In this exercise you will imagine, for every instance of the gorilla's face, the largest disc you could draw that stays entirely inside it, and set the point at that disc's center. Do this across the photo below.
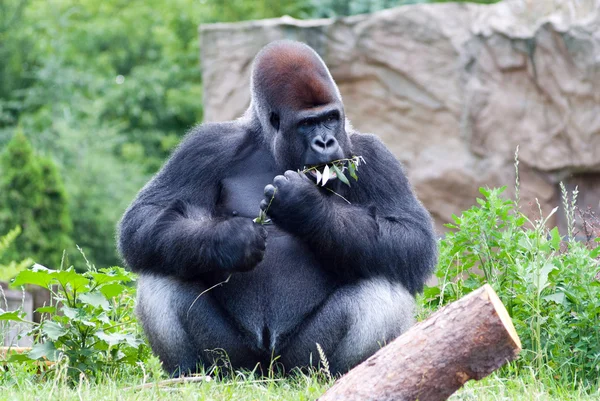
(299, 106)
(309, 137)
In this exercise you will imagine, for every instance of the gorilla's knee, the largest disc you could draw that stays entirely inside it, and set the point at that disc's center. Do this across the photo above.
(158, 299)
(378, 311)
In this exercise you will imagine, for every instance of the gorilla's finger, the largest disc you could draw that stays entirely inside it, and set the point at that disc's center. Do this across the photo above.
(279, 180)
(291, 174)
(263, 232)
(263, 204)
(304, 177)
(269, 190)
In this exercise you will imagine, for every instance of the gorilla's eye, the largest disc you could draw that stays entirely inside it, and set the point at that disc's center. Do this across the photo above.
(274, 120)
(332, 118)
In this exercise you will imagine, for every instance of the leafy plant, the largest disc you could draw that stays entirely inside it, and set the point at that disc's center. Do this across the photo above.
(90, 322)
(548, 283)
(33, 197)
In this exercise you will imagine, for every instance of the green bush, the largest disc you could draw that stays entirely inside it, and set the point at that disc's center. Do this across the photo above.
(548, 283)
(33, 197)
(90, 328)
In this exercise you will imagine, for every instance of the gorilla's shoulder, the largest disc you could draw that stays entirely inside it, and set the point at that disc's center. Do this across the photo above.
(223, 135)
(372, 148)
(219, 140)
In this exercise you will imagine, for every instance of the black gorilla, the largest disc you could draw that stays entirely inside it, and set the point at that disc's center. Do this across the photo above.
(328, 272)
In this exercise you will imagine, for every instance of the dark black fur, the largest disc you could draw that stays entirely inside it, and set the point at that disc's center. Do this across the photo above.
(306, 278)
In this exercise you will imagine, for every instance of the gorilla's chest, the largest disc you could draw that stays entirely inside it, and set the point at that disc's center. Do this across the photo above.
(242, 189)
(240, 195)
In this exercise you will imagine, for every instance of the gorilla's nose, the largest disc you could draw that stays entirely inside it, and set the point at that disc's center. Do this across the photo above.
(324, 145)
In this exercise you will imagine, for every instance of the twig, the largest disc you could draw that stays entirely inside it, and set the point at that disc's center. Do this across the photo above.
(187, 315)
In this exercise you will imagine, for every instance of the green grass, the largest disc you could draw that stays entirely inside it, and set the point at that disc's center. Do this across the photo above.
(300, 387)
(26, 386)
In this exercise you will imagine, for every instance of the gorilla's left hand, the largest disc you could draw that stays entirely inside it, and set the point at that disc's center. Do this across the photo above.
(292, 200)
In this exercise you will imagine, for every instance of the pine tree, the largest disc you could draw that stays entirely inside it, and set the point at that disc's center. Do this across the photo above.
(32, 196)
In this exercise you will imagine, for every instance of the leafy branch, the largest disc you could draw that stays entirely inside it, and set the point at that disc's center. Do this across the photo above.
(333, 169)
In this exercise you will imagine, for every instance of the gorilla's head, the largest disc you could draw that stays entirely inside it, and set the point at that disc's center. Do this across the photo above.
(298, 105)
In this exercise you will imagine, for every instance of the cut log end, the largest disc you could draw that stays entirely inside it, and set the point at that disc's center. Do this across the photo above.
(503, 315)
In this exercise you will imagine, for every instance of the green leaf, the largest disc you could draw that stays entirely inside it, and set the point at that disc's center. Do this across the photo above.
(96, 299)
(53, 330)
(71, 278)
(595, 252)
(46, 309)
(44, 350)
(558, 297)
(81, 316)
(340, 175)
(431, 293)
(112, 290)
(118, 338)
(112, 274)
(71, 313)
(15, 357)
(542, 277)
(352, 170)
(13, 316)
(110, 338)
(37, 275)
(555, 238)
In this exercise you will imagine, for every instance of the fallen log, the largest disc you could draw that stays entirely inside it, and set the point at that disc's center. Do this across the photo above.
(468, 339)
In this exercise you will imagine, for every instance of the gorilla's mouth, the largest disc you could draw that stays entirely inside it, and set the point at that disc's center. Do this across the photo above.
(318, 173)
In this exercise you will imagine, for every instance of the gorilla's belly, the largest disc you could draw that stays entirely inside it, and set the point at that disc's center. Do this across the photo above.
(272, 300)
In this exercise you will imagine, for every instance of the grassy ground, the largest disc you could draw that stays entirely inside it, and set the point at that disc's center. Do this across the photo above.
(298, 388)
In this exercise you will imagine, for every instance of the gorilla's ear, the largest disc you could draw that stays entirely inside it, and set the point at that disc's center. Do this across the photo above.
(274, 120)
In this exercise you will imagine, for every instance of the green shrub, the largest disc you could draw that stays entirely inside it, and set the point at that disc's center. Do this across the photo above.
(90, 327)
(548, 283)
(32, 196)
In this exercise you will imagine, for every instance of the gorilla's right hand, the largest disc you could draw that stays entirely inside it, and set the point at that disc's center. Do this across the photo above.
(242, 245)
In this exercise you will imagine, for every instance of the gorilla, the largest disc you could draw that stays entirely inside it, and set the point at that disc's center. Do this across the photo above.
(338, 271)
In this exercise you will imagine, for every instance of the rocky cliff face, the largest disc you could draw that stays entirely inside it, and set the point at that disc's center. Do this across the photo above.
(452, 89)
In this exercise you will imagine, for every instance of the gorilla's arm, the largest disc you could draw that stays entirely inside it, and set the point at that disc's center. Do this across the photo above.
(171, 228)
(384, 231)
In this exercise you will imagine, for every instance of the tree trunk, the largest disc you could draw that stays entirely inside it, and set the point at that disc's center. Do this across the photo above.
(468, 339)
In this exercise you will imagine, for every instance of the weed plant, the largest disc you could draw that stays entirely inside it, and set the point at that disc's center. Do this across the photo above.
(549, 283)
(88, 329)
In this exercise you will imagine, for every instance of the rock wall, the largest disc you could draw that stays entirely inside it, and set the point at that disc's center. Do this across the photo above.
(452, 89)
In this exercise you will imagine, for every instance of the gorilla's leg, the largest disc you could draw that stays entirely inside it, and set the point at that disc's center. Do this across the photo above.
(185, 330)
(352, 324)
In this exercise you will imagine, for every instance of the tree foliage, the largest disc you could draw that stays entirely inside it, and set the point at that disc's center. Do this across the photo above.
(33, 198)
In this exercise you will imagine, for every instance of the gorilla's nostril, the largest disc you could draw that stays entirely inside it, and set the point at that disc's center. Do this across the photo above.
(324, 145)
(319, 143)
